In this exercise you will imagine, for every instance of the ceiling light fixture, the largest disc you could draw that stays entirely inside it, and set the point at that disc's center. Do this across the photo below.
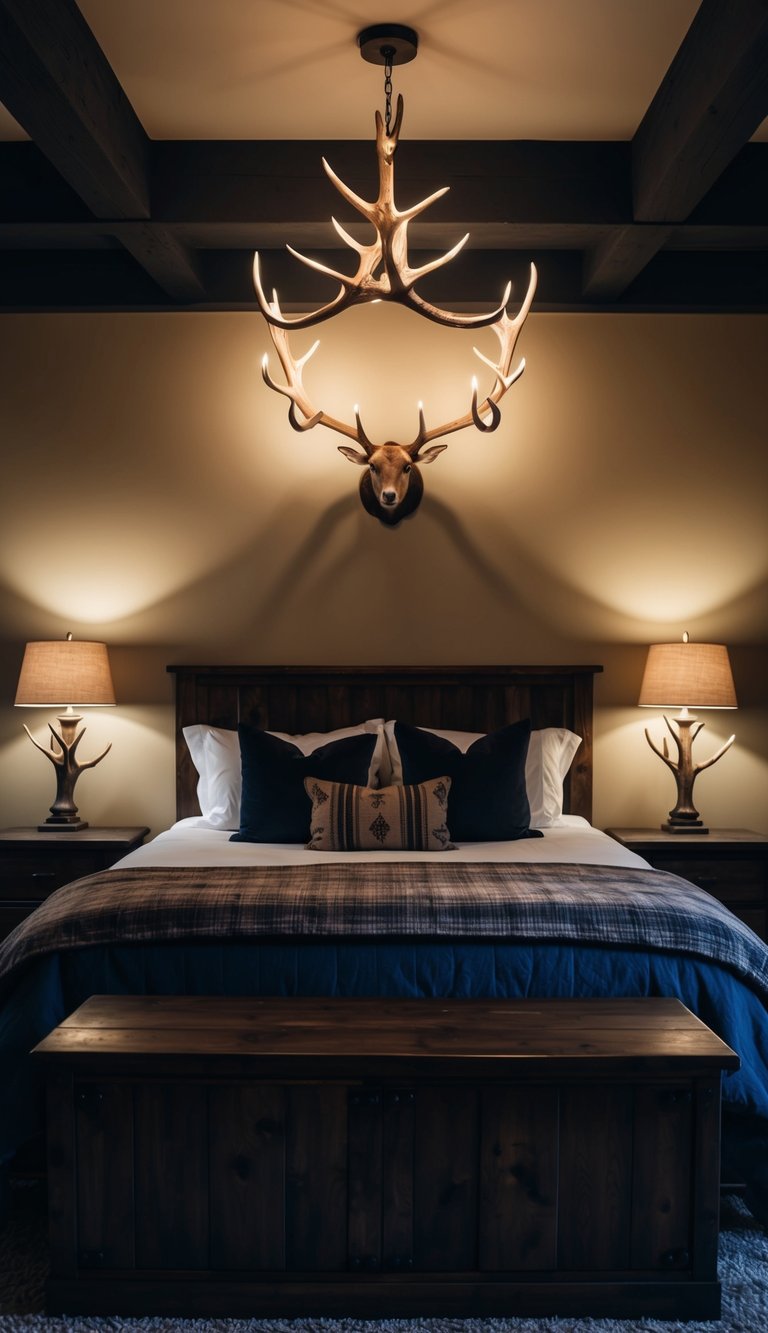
(391, 486)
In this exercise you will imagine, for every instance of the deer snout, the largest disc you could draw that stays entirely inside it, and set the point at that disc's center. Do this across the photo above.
(390, 468)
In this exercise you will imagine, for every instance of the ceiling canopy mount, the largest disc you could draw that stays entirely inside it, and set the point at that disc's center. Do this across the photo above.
(388, 44)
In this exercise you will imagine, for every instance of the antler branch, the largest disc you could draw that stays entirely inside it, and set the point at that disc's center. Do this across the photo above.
(709, 762)
(507, 331)
(390, 251)
(295, 391)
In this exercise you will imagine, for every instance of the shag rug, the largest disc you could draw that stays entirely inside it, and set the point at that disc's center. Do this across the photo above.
(743, 1264)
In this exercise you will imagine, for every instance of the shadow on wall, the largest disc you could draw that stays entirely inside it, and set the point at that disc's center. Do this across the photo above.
(335, 585)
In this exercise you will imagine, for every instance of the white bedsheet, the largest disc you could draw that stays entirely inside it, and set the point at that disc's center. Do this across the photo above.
(572, 839)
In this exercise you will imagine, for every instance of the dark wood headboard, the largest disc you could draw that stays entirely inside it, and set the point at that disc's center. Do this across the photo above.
(468, 698)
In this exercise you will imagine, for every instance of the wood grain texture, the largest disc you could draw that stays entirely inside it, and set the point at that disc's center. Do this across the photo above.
(518, 1179)
(171, 1176)
(423, 1037)
(105, 1168)
(316, 1177)
(246, 1126)
(595, 1177)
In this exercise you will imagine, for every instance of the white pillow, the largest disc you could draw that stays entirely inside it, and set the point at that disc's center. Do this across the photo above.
(550, 754)
(215, 753)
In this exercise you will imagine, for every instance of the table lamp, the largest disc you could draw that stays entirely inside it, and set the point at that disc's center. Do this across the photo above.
(65, 673)
(686, 675)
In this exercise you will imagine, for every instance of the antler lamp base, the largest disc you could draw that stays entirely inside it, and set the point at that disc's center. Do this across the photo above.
(64, 814)
(685, 818)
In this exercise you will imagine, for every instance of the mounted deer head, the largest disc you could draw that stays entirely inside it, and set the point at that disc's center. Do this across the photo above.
(391, 486)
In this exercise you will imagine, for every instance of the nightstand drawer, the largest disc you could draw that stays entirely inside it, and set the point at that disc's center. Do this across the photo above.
(11, 913)
(33, 863)
(729, 880)
(21, 877)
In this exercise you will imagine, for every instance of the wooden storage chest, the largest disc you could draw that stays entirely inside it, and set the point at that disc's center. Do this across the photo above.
(384, 1157)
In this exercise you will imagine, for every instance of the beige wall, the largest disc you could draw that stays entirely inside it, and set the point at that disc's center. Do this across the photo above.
(154, 496)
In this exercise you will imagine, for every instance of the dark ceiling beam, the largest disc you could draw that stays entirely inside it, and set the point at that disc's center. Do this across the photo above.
(487, 180)
(516, 239)
(59, 86)
(213, 191)
(99, 216)
(611, 265)
(56, 82)
(171, 264)
(673, 282)
(710, 102)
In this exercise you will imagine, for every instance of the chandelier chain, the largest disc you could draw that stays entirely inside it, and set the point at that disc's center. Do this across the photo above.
(388, 53)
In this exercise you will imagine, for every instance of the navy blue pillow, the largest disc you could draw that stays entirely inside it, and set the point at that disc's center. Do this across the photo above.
(274, 805)
(488, 801)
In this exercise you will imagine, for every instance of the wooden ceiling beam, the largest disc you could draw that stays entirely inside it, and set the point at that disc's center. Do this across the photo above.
(210, 190)
(59, 86)
(172, 265)
(94, 201)
(692, 283)
(57, 83)
(611, 265)
(710, 102)
(487, 180)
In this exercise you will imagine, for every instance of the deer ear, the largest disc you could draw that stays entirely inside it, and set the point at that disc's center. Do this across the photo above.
(429, 455)
(353, 455)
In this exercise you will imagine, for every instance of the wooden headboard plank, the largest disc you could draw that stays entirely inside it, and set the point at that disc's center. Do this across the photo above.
(305, 698)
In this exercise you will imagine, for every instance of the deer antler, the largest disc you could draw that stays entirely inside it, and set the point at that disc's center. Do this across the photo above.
(507, 331)
(390, 250)
(296, 392)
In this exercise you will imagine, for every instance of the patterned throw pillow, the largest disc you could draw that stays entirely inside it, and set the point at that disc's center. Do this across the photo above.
(346, 818)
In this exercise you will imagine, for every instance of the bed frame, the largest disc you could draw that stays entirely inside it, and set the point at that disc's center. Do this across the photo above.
(306, 698)
(534, 1166)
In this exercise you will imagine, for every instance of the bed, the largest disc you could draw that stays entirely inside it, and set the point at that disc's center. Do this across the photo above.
(566, 913)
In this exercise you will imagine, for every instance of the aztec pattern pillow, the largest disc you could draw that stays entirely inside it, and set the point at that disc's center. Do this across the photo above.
(347, 818)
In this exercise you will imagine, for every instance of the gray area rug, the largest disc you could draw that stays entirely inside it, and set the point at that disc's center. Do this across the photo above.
(743, 1266)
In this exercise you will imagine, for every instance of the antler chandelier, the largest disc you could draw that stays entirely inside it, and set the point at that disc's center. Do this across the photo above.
(391, 486)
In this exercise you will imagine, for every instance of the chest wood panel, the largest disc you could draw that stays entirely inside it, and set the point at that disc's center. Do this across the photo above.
(371, 1156)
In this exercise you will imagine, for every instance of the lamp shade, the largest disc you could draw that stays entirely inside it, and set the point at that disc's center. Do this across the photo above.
(65, 672)
(687, 675)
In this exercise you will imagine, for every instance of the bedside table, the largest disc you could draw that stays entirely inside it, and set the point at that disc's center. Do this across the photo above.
(33, 864)
(731, 864)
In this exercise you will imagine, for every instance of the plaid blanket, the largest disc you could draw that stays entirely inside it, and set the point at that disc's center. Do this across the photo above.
(582, 904)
